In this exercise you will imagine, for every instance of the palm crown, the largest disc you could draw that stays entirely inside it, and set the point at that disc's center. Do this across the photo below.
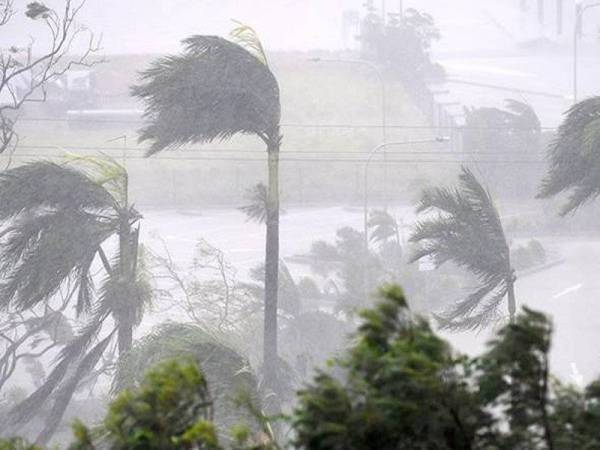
(467, 230)
(574, 157)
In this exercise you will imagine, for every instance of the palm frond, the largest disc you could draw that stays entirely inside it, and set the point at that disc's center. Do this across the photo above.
(227, 371)
(246, 37)
(45, 184)
(383, 226)
(64, 393)
(256, 209)
(464, 227)
(105, 171)
(574, 157)
(40, 251)
(212, 91)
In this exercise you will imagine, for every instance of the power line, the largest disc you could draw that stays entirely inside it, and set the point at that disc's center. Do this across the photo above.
(308, 160)
(74, 148)
(302, 125)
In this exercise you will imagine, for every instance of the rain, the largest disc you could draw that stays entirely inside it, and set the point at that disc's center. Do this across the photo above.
(299, 224)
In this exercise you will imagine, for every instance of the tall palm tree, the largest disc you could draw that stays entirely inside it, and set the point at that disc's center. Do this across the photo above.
(212, 91)
(574, 157)
(467, 231)
(57, 218)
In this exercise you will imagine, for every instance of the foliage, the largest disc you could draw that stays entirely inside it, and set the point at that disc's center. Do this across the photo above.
(212, 91)
(383, 227)
(402, 44)
(512, 133)
(517, 367)
(467, 231)
(401, 389)
(226, 371)
(256, 209)
(574, 158)
(215, 90)
(16, 444)
(56, 219)
(171, 409)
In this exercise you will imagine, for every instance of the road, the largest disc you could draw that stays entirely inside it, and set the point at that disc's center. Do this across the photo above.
(568, 292)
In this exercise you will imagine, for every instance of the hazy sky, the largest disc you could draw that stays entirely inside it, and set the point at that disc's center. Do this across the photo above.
(157, 26)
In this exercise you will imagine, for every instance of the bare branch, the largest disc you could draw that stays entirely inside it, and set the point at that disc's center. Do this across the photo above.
(23, 77)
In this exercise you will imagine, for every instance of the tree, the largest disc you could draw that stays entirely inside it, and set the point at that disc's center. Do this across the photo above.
(512, 134)
(401, 387)
(225, 370)
(57, 218)
(171, 409)
(401, 43)
(574, 157)
(467, 231)
(212, 91)
(26, 70)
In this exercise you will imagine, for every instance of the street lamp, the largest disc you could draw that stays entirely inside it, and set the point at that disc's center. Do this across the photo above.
(377, 72)
(580, 9)
(372, 153)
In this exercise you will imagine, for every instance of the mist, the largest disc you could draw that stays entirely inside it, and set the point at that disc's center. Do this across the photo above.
(299, 224)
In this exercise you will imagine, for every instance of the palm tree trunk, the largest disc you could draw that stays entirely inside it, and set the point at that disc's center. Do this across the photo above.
(128, 256)
(271, 267)
(512, 304)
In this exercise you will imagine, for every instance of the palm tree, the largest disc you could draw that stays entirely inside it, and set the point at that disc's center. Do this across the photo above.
(467, 231)
(212, 91)
(227, 372)
(384, 227)
(574, 157)
(57, 220)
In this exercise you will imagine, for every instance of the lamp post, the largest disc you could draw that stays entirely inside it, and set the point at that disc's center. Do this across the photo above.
(580, 9)
(372, 153)
(375, 69)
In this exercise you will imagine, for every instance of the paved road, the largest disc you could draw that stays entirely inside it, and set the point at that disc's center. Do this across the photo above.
(569, 292)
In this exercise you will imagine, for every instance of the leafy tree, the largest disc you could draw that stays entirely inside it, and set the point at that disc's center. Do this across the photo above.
(213, 91)
(401, 43)
(171, 409)
(401, 388)
(467, 231)
(226, 371)
(574, 157)
(57, 218)
(517, 367)
(512, 134)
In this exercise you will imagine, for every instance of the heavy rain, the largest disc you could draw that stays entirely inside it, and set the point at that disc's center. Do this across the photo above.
(299, 224)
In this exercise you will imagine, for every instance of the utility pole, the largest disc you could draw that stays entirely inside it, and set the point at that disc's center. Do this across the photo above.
(401, 9)
(559, 16)
(541, 12)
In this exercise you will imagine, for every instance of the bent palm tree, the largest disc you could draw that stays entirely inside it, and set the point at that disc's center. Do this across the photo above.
(214, 90)
(575, 157)
(467, 230)
(227, 372)
(57, 219)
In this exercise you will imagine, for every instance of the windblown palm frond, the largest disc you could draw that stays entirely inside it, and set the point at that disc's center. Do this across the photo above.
(42, 250)
(256, 209)
(245, 36)
(226, 370)
(467, 230)
(383, 227)
(105, 171)
(45, 184)
(212, 91)
(574, 157)
(50, 239)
